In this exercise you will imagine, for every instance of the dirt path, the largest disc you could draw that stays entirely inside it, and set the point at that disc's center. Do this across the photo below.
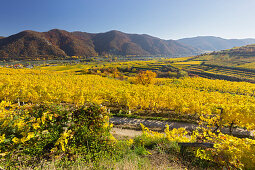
(133, 125)
(125, 133)
(151, 123)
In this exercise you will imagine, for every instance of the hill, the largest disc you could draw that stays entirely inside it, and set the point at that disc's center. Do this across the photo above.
(236, 64)
(237, 57)
(59, 43)
(72, 45)
(210, 43)
(28, 45)
(134, 44)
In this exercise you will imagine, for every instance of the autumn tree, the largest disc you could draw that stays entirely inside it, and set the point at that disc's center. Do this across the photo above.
(145, 77)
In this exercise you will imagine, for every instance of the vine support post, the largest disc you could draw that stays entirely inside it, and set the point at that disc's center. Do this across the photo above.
(220, 121)
(221, 113)
(231, 128)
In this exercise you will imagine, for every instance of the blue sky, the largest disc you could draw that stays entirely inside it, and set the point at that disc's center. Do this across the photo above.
(167, 19)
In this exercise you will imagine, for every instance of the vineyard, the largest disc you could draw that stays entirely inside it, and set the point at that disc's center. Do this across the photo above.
(59, 108)
(127, 85)
(221, 72)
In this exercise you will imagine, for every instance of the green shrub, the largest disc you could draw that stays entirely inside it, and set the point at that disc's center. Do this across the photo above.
(31, 133)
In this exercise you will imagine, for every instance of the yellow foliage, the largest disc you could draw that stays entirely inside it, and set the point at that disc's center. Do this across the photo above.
(177, 135)
(2, 138)
(63, 140)
(145, 77)
(15, 140)
(194, 96)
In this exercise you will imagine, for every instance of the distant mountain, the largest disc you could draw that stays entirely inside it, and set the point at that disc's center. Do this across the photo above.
(1, 37)
(115, 42)
(210, 43)
(121, 43)
(28, 45)
(59, 43)
(248, 41)
(71, 44)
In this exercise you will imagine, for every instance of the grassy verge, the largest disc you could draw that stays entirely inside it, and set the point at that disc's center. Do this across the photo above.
(140, 153)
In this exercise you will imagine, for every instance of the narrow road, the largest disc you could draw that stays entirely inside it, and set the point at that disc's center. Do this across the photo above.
(133, 123)
(151, 123)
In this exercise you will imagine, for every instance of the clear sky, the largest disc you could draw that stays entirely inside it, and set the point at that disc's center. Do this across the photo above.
(167, 19)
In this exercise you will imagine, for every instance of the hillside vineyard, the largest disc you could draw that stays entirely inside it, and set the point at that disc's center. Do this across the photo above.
(199, 98)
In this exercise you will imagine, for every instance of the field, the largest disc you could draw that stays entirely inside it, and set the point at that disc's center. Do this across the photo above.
(60, 113)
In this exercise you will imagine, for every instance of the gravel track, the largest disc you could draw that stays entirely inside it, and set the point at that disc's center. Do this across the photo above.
(133, 123)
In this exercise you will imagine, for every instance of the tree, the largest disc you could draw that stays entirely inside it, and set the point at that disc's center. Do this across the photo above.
(145, 77)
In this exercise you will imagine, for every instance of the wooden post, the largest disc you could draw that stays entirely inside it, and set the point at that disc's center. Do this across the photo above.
(231, 128)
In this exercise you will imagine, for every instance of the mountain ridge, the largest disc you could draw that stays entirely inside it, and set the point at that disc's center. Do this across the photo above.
(58, 43)
(54, 43)
(212, 43)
